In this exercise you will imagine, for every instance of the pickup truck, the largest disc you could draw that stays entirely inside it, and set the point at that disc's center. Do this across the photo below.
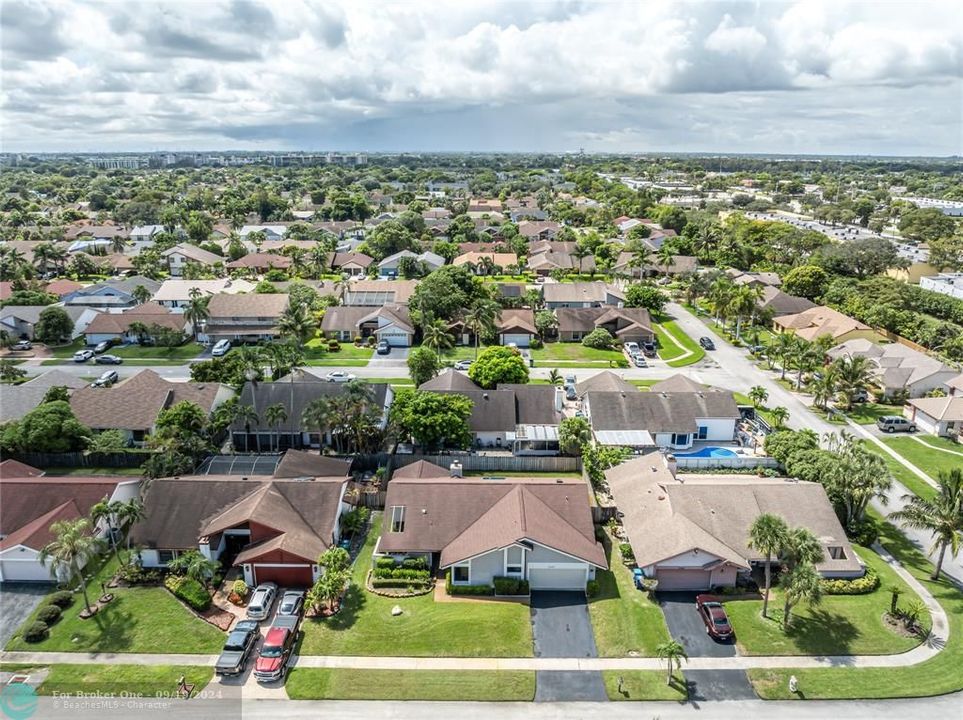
(287, 622)
(240, 643)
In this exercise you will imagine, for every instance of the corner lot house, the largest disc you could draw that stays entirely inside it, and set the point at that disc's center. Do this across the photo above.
(480, 529)
(274, 530)
(898, 367)
(247, 318)
(941, 416)
(31, 502)
(693, 534)
(821, 320)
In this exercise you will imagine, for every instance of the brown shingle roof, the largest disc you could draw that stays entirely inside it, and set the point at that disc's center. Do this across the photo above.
(223, 306)
(515, 320)
(420, 469)
(301, 463)
(448, 380)
(148, 313)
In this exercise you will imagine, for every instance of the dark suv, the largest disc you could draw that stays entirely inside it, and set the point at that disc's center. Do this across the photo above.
(706, 343)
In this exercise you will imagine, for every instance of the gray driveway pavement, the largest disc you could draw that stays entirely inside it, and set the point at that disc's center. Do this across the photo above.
(687, 627)
(561, 627)
(17, 601)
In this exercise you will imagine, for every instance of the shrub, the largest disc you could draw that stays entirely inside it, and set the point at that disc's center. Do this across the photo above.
(599, 533)
(239, 588)
(49, 614)
(510, 586)
(392, 583)
(372, 340)
(592, 588)
(385, 562)
(334, 346)
(357, 339)
(858, 586)
(600, 339)
(465, 589)
(400, 573)
(626, 550)
(417, 563)
(864, 532)
(35, 632)
(62, 599)
(135, 575)
(189, 590)
(535, 343)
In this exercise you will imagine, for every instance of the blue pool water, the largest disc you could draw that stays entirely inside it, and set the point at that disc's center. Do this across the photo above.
(709, 452)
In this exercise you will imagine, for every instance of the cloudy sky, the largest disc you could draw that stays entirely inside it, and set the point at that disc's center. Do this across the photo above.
(810, 77)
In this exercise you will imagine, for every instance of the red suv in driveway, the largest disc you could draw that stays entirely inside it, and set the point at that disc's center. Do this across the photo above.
(272, 662)
(714, 616)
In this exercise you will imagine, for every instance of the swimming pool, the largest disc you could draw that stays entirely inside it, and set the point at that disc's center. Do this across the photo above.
(709, 452)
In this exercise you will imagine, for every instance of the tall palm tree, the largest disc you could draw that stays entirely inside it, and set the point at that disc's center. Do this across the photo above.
(274, 416)
(129, 514)
(72, 547)
(247, 415)
(801, 583)
(853, 375)
(480, 319)
(297, 322)
(768, 534)
(106, 512)
(673, 653)
(808, 357)
(743, 304)
(580, 252)
(318, 258)
(435, 336)
(942, 516)
(758, 395)
(665, 256)
(118, 244)
(141, 294)
(196, 311)
(706, 240)
(801, 546)
(824, 388)
(720, 297)
(318, 415)
(196, 566)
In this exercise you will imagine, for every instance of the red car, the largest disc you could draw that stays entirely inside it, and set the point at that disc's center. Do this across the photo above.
(272, 662)
(714, 616)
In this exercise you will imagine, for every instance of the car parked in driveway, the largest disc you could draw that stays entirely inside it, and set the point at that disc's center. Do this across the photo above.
(272, 662)
(706, 343)
(107, 378)
(384, 348)
(895, 423)
(82, 356)
(240, 641)
(262, 600)
(221, 347)
(109, 359)
(714, 617)
(632, 348)
(292, 603)
(463, 364)
(102, 347)
(339, 376)
(648, 348)
(639, 361)
(22, 345)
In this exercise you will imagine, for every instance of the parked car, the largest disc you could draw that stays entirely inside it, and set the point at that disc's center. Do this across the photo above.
(895, 423)
(632, 348)
(22, 345)
(221, 347)
(463, 364)
(272, 661)
(648, 348)
(571, 393)
(292, 603)
(384, 348)
(714, 617)
(639, 361)
(236, 650)
(109, 359)
(82, 356)
(570, 379)
(706, 343)
(262, 600)
(339, 376)
(107, 378)
(102, 347)
(861, 396)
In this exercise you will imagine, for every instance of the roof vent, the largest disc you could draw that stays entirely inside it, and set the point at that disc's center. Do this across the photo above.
(664, 396)
(485, 395)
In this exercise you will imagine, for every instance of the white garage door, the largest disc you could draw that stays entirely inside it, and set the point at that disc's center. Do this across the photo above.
(683, 580)
(24, 571)
(394, 338)
(567, 578)
(521, 340)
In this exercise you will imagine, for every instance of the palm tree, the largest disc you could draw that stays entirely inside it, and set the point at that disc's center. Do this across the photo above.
(318, 415)
(720, 297)
(665, 256)
(743, 304)
(824, 388)
(480, 319)
(247, 415)
(853, 374)
(942, 515)
(106, 512)
(554, 377)
(801, 583)
(435, 336)
(140, 294)
(196, 566)
(74, 545)
(768, 534)
(581, 252)
(118, 244)
(196, 311)
(129, 514)
(783, 347)
(318, 258)
(274, 416)
(800, 547)
(673, 653)
(808, 357)
(758, 395)
(297, 322)
(706, 240)
(779, 417)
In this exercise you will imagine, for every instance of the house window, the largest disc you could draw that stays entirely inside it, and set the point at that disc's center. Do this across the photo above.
(165, 556)
(837, 553)
(513, 561)
(703, 432)
(398, 518)
(680, 438)
(461, 574)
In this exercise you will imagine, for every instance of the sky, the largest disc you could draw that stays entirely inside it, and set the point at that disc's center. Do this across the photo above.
(879, 78)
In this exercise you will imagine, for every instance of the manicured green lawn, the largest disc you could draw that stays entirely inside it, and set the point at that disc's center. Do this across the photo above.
(139, 680)
(425, 628)
(926, 455)
(139, 619)
(840, 625)
(65, 351)
(936, 676)
(624, 619)
(187, 351)
(670, 327)
(465, 685)
(868, 413)
(575, 353)
(644, 685)
(317, 355)
(461, 352)
(905, 476)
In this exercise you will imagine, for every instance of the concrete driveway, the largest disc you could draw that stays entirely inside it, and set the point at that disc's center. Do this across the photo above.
(561, 627)
(17, 601)
(687, 627)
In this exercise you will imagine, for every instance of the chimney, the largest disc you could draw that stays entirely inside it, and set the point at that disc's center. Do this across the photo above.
(456, 469)
(672, 464)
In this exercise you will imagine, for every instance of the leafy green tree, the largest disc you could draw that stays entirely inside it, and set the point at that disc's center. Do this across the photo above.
(758, 395)
(597, 459)
(599, 339)
(497, 365)
(546, 323)
(195, 565)
(643, 295)
(73, 546)
(55, 393)
(768, 534)
(107, 441)
(48, 428)
(941, 515)
(388, 238)
(808, 281)
(54, 327)
(854, 375)
(925, 224)
(141, 294)
(445, 294)
(423, 365)
(433, 420)
(574, 433)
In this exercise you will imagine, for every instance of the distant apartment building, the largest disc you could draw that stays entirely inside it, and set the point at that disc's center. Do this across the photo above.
(945, 283)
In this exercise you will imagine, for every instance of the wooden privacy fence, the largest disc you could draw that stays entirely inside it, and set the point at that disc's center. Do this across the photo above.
(79, 459)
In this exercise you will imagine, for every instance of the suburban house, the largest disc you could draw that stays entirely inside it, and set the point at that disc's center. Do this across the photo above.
(388, 322)
(486, 263)
(777, 303)
(260, 262)
(294, 395)
(379, 292)
(899, 368)
(544, 263)
(30, 502)
(111, 294)
(955, 386)
(480, 529)
(516, 327)
(247, 318)
(133, 404)
(350, 263)
(822, 320)
(21, 320)
(941, 416)
(18, 400)
(666, 420)
(389, 267)
(177, 293)
(533, 230)
(271, 232)
(61, 287)
(179, 255)
(272, 529)
(624, 324)
(693, 534)
(117, 326)
(581, 295)
(754, 279)
(605, 381)
(144, 234)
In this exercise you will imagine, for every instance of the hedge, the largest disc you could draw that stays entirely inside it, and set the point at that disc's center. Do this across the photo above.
(62, 599)
(465, 589)
(395, 583)
(49, 614)
(35, 632)
(510, 586)
(400, 573)
(858, 586)
(189, 590)
(135, 575)
(626, 550)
